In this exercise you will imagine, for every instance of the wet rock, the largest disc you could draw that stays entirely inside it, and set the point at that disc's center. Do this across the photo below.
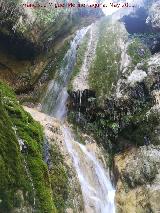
(138, 176)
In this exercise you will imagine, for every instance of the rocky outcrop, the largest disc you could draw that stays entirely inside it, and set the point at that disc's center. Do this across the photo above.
(138, 172)
(38, 22)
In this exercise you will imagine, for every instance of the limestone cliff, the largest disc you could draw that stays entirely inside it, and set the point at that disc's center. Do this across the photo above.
(120, 106)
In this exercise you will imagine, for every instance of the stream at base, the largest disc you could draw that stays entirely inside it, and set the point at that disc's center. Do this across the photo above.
(97, 190)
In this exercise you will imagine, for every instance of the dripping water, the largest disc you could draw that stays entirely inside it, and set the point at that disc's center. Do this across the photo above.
(23, 149)
(46, 152)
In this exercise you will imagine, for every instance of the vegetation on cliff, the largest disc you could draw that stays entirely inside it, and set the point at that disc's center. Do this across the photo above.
(119, 122)
(59, 179)
(105, 69)
(138, 51)
(31, 133)
(22, 164)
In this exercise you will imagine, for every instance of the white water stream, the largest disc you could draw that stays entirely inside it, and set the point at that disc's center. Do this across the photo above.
(56, 89)
(97, 190)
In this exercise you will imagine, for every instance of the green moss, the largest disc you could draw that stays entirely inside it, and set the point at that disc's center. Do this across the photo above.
(11, 164)
(78, 134)
(138, 51)
(104, 71)
(56, 61)
(59, 179)
(12, 161)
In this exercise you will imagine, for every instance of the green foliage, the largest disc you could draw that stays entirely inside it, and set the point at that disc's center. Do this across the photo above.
(138, 51)
(47, 16)
(10, 11)
(127, 123)
(140, 125)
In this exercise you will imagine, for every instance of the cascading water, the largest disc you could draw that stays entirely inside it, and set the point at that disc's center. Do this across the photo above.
(97, 190)
(80, 82)
(56, 89)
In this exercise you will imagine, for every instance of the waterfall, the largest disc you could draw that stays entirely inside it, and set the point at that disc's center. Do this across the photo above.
(56, 89)
(97, 190)
(80, 82)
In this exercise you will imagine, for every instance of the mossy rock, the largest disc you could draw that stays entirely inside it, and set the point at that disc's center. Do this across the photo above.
(138, 52)
(21, 169)
(105, 70)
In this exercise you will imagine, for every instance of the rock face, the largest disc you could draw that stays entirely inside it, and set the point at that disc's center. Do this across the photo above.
(118, 103)
(29, 37)
(38, 22)
(138, 173)
(54, 136)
